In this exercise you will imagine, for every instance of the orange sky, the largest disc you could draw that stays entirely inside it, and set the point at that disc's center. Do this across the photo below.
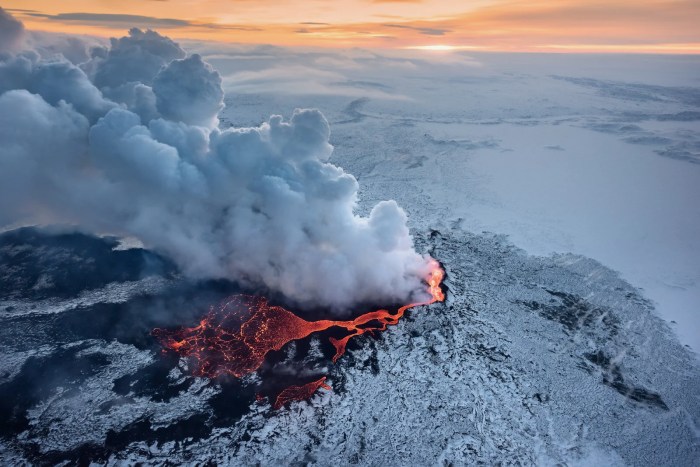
(659, 26)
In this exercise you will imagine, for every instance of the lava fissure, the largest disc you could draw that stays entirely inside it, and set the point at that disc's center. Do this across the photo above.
(300, 393)
(235, 337)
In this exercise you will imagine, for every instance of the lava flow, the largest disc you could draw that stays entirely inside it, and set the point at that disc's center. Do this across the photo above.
(235, 337)
(300, 393)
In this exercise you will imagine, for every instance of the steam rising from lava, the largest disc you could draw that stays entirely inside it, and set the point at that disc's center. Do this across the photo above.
(128, 143)
(235, 337)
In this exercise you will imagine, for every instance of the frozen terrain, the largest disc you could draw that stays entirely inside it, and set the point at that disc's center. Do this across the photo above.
(560, 194)
(530, 360)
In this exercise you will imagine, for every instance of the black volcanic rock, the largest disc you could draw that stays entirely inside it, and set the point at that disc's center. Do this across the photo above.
(37, 264)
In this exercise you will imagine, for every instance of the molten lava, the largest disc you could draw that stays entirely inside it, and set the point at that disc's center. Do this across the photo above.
(300, 393)
(235, 337)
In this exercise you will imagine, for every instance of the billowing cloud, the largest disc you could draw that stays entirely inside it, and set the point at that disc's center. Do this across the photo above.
(11, 31)
(76, 50)
(55, 80)
(189, 90)
(261, 205)
(136, 58)
(41, 145)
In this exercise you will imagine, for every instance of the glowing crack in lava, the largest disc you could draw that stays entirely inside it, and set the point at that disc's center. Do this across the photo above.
(235, 337)
(300, 393)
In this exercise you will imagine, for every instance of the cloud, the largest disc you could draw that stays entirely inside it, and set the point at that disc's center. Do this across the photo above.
(14, 37)
(11, 31)
(259, 205)
(40, 143)
(189, 90)
(302, 80)
(20, 10)
(55, 81)
(126, 20)
(423, 30)
(76, 50)
(137, 57)
(125, 71)
(114, 19)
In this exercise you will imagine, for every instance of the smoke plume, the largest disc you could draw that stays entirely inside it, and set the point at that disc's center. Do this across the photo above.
(128, 143)
(11, 32)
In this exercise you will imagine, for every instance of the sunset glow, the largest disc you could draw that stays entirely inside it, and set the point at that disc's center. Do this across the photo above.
(656, 26)
(442, 47)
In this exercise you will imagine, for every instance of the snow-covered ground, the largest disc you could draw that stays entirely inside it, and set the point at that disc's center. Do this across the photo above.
(509, 370)
(591, 154)
(531, 360)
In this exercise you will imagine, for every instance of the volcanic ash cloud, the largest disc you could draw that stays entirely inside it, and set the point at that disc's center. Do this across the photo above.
(128, 143)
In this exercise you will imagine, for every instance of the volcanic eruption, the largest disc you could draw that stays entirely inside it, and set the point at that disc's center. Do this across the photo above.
(128, 143)
(235, 337)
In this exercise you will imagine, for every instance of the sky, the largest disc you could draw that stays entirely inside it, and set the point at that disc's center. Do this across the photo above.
(649, 26)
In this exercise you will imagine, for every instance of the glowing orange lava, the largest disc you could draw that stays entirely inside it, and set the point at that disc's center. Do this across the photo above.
(235, 337)
(300, 393)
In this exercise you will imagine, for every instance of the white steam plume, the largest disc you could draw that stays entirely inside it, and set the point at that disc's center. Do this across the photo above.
(128, 143)
(11, 32)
